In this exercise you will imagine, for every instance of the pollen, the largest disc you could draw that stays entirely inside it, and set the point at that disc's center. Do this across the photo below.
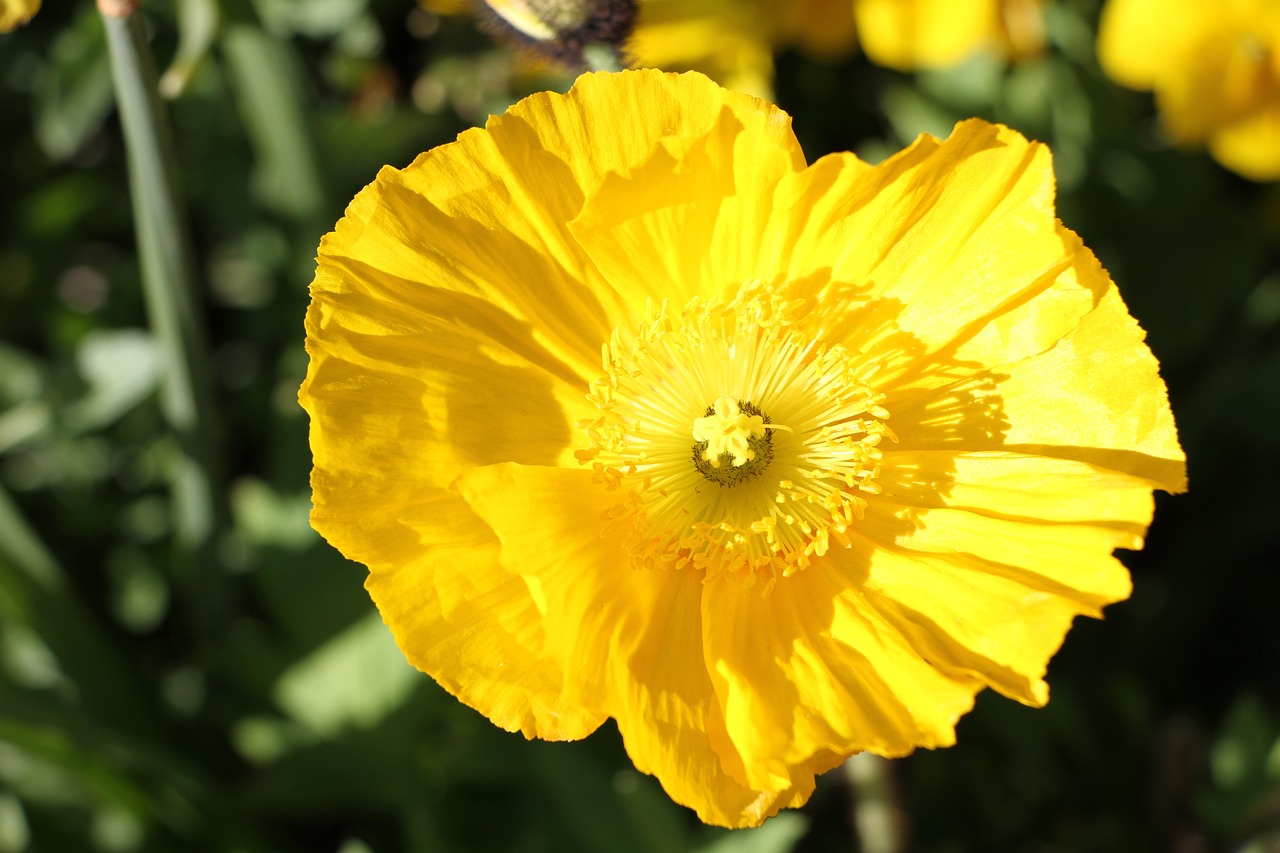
(781, 456)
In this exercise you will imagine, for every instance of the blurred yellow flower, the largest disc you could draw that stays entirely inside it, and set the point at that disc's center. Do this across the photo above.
(733, 41)
(15, 13)
(910, 34)
(1215, 70)
(632, 414)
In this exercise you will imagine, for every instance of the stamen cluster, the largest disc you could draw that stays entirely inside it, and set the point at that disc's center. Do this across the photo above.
(710, 371)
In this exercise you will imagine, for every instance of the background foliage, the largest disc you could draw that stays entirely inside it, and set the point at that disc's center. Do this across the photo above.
(257, 704)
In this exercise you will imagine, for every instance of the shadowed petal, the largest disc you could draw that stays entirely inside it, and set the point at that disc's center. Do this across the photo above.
(627, 639)
(475, 627)
(810, 668)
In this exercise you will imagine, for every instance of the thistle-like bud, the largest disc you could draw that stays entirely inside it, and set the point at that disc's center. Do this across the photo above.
(564, 30)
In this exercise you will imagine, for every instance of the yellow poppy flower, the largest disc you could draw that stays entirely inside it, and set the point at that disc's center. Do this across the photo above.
(910, 34)
(632, 414)
(1215, 70)
(732, 41)
(15, 13)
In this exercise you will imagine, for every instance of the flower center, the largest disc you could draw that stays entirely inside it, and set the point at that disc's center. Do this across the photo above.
(734, 442)
(760, 498)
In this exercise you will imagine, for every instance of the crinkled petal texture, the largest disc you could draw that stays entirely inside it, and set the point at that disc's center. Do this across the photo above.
(457, 321)
(1214, 68)
(15, 13)
(910, 34)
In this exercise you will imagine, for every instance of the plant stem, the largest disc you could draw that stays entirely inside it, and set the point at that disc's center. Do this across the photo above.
(22, 549)
(875, 817)
(173, 308)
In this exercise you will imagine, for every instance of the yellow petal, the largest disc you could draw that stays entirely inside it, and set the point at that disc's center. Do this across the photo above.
(1073, 561)
(1021, 28)
(728, 40)
(471, 625)
(1043, 525)
(694, 212)
(1213, 81)
(1214, 71)
(459, 229)
(971, 622)
(386, 431)
(15, 13)
(930, 216)
(1251, 146)
(812, 668)
(806, 230)
(613, 122)
(396, 394)
(733, 41)
(628, 640)
(400, 404)
(916, 232)
(1011, 485)
(483, 222)
(909, 34)
(1029, 538)
(1140, 40)
(549, 523)
(1096, 397)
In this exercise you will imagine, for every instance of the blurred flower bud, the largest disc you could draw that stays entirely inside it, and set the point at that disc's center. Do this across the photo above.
(563, 29)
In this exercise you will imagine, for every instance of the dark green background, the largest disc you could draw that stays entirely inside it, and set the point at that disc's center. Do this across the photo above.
(267, 710)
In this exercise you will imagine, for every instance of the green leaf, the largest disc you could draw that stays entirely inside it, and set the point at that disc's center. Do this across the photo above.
(268, 518)
(197, 26)
(315, 18)
(73, 95)
(353, 681)
(267, 82)
(174, 315)
(121, 367)
(778, 835)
